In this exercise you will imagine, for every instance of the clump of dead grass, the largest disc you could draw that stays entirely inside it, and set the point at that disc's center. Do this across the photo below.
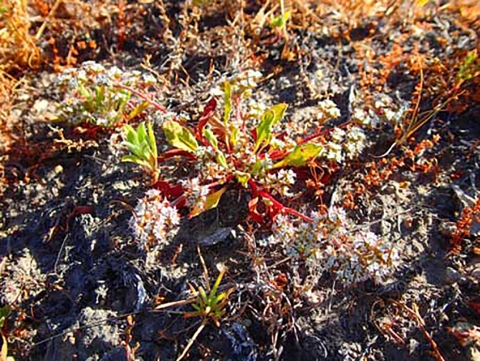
(18, 48)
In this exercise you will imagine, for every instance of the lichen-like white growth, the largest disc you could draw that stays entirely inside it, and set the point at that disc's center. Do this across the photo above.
(155, 220)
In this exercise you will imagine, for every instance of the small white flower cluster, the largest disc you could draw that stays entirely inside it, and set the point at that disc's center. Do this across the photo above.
(366, 118)
(242, 83)
(93, 73)
(248, 79)
(327, 244)
(345, 144)
(390, 111)
(365, 256)
(154, 221)
(328, 109)
(93, 95)
(254, 108)
(206, 164)
(280, 181)
(196, 194)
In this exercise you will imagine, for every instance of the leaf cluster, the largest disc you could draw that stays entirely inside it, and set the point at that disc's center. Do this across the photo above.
(210, 305)
(143, 147)
(244, 149)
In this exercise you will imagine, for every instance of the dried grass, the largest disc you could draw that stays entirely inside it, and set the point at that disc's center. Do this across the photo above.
(18, 48)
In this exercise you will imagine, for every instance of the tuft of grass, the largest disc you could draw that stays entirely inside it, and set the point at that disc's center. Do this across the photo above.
(209, 306)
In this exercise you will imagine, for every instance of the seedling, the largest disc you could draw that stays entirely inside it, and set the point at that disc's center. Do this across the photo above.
(209, 306)
(280, 22)
(143, 146)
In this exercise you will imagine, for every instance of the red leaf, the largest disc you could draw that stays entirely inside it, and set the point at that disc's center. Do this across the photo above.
(77, 211)
(168, 190)
(475, 304)
(175, 152)
(252, 207)
(206, 116)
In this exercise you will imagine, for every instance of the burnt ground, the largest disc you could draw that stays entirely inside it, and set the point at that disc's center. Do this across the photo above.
(80, 288)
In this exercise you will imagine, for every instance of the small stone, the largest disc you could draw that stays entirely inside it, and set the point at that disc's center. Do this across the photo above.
(476, 273)
(452, 275)
(447, 229)
(473, 353)
(40, 106)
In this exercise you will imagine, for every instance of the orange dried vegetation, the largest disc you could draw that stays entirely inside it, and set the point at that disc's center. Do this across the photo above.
(469, 215)
(18, 48)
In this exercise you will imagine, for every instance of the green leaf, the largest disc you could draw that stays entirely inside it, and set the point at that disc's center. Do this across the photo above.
(211, 202)
(212, 139)
(281, 21)
(257, 167)
(228, 102)
(179, 137)
(234, 136)
(141, 133)
(99, 96)
(4, 312)
(242, 178)
(203, 294)
(264, 129)
(136, 148)
(138, 110)
(134, 159)
(152, 142)
(142, 144)
(214, 290)
(221, 159)
(84, 93)
(300, 155)
(130, 133)
(220, 297)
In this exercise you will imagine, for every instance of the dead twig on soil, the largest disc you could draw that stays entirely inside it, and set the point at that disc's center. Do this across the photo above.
(414, 312)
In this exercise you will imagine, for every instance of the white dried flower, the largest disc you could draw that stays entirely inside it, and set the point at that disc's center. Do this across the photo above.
(334, 152)
(329, 109)
(280, 181)
(154, 221)
(330, 246)
(196, 194)
(355, 142)
(338, 135)
(114, 73)
(149, 79)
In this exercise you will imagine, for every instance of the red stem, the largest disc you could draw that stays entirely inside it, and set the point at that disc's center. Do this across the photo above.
(277, 204)
(175, 152)
(143, 96)
(320, 133)
(221, 181)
